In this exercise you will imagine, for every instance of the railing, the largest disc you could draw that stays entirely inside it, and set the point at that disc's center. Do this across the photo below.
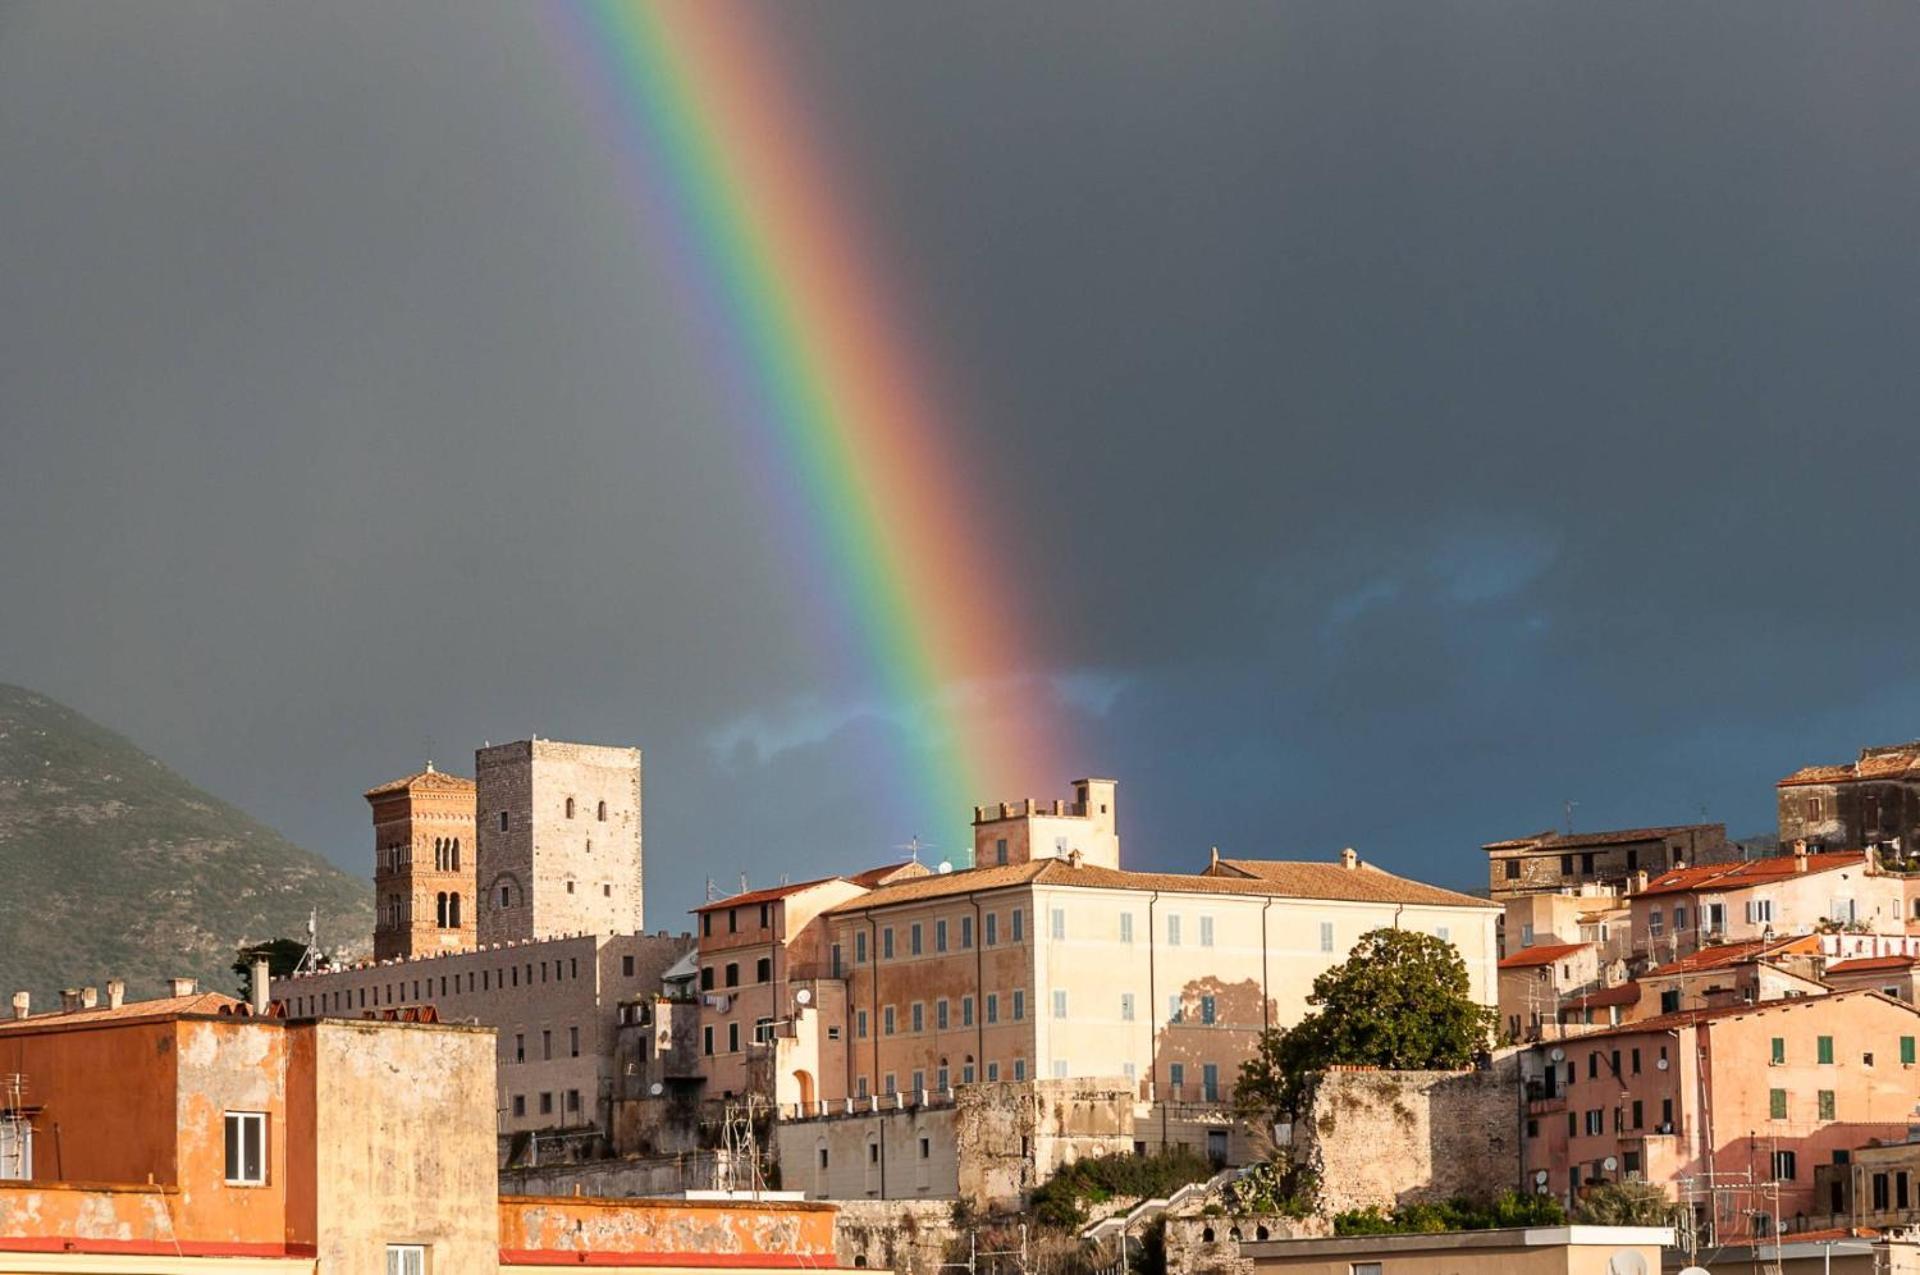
(1147, 1210)
(872, 1104)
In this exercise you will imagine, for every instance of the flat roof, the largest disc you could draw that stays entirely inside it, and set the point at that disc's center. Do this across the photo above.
(1498, 1237)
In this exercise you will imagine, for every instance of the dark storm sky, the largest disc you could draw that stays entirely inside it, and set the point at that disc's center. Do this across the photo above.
(1411, 417)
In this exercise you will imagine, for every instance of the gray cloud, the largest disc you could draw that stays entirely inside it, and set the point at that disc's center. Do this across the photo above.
(1409, 417)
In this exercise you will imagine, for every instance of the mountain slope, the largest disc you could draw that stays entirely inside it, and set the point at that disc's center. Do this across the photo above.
(112, 866)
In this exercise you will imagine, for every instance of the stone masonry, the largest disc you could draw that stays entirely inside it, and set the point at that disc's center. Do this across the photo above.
(1383, 1138)
(559, 840)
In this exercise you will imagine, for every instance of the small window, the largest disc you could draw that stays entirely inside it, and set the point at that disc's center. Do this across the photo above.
(569, 807)
(246, 1148)
(1824, 1048)
(1777, 1104)
(406, 1259)
(503, 821)
(602, 815)
(1326, 936)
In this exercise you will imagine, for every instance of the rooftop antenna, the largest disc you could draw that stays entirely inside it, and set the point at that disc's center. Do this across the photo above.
(712, 891)
(914, 845)
(1570, 805)
(309, 959)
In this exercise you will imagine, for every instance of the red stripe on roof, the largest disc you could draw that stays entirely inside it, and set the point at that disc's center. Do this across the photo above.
(715, 1261)
(150, 1248)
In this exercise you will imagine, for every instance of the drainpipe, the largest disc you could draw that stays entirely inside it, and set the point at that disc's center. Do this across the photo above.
(873, 1030)
(1266, 999)
(1153, 1012)
(979, 988)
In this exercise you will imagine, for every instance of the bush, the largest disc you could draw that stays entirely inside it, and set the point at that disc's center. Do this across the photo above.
(1272, 1187)
(1625, 1204)
(1509, 1208)
(1061, 1203)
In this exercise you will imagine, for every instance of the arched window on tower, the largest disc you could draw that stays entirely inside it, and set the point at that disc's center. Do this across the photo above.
(454, 863)
(569, 807)
(453, 911)
(603, 812)
(441, 909)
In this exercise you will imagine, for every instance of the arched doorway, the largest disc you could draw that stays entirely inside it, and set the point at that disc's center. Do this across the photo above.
(804, 1080)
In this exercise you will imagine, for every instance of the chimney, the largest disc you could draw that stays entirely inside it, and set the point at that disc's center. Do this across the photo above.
(89, 997)
(181, 986)
(1349, 859)
(1800, 848)
(69, 999)
(257, 985)
(116, 993)
(22, 1004)
(1215, 866)
(1073, 857)
(1639, 882)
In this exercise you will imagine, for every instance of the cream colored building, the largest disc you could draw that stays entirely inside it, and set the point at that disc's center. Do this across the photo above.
(1059, 968)
(1011, 832)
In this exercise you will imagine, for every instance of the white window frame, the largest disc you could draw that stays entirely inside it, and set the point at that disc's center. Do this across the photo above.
(241, 1121)
(406, 1259)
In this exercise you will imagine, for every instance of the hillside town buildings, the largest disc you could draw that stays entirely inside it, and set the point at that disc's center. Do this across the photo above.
(1553, 861)
(1872, 802)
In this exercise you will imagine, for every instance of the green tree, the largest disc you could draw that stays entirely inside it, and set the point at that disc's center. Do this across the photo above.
(283, 957)
(1401, 1000)
(1624, 1204)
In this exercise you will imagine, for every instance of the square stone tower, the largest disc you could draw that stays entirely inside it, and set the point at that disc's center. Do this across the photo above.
(423, 864)
(559, 840)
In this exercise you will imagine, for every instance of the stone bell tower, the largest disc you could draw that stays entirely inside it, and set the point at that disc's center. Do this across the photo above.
(424, 864)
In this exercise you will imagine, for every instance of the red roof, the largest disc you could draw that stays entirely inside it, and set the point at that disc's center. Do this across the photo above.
(1867, 964)
(1622, 994)
(1558, 841)
(1752, 872)
(1894, 761)
(1688, 1017)
(1545, 954)
(767, 895)
(1723, 954)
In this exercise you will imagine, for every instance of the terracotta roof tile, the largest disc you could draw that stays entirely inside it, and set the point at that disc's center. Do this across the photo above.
(1265, 878)
(1725, 954)
(1868, 964)
(209, 1003)
(889, 872)
(1619, 994)
(767, 895)
(1750, 872)
(1545, 954)
(436, 780)
(1896, 761)
(1688, 1017)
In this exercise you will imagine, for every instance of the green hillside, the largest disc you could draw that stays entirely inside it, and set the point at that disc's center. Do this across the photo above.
(112, 866)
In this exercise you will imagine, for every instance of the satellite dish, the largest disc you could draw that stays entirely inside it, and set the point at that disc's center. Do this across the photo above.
(804, 996)
(1661, 1064)
(1696, 1270)
(656, 1089)
(945, 866)
(1626, 1262)
(1557, 1054)
(1610, 1164)
(1540, 1177)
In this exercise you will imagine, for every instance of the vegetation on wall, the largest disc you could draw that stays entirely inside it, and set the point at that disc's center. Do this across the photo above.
(1401, 1000)
(1062, 1202)
(1625, 1204)
(1509, 1208)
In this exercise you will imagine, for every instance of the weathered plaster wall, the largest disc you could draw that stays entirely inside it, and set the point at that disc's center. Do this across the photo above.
(1385, 1137)
(909, 1237)
(1012, 1137)
(1211, 1245)
(731, 1227)
(229, 1065)
(404, 1145)
(640, 1176)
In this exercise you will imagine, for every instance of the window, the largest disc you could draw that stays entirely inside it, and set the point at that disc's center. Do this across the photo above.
(1566, 865)
(1670, 1001)
(993, 1071)
(1824, 1050)
(886, 944)
(890, 1083)
(406, 1259)
(1779, 1051)
(706, 978)
(913, 939)
(1326, 936)
(1363, 1268)
(1173, 929)
(1596, 1122)
(1210, 1082)
(1206, 931)
(860, 1023)
(1513, 869)
(919, 1020)
(1445, 933)
(919, 1081)
(1019, 1069)
(1059, 923)
(520, 1101)
(859, 947)
(1826, 1104)
(503, 821)
(966, 1011)
(886, 1021)
(993, 1007)
(706, 925)
(993, 928)
(1906, 1050)
(733, 1038)
(733, 920)
(1126, 927)
(1019, 1004)
(546, 1046)
(766, 915)
(940, 1017)
(1018, 925)
(1059, 1069)
(1000, 850)
(1174, 1014)
(1901, 1193)
(1126, 1007)
(546, 1104)
(506, 896)
(246, 1148)
(1777, 1104)
(601, 813)
(1680, 916)
(569, 807)
(1656, 923)
(519, 1047)
(1206, 1010)
(940, 938)
(966, 933)
(762, 1030)
(626, 967)
(763, 970)
(1783, 1166)
(1059, 1004)
(1759, 911)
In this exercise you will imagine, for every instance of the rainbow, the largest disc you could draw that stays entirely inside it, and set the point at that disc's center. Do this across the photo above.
(821, 367)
